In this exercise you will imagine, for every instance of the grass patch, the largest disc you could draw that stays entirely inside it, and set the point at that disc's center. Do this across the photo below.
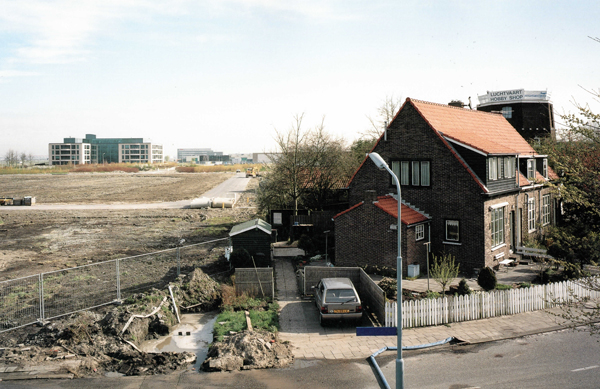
(229, 321)
(503, 287)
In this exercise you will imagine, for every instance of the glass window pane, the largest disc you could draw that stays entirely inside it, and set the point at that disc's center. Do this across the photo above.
(415, 173)
(405, 173)
(425, 173)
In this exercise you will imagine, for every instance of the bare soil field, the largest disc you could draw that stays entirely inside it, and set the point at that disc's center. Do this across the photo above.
(105, 188)
(36, 241)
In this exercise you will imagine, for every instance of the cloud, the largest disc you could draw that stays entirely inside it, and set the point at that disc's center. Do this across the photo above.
(63, 31)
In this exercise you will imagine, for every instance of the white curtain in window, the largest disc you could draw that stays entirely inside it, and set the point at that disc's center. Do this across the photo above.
(424, 173)
(404, 173)
(415, 173)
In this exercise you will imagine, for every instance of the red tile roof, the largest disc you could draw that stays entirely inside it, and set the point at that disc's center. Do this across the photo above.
(487, 132)
(409, 215)
(523, 181)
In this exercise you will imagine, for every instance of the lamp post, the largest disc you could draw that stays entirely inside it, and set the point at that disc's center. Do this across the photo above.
(103, 160)
(382, 165)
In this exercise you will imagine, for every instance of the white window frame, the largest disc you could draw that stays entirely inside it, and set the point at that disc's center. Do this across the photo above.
(531, 213)
(545, 210)
(493, 168)
(420, 232)
(497, 226)
(545, 167)
(507, 112)
(531, 169)
(453, 223)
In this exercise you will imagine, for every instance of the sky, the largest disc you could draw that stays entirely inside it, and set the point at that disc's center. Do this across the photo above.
(227, 74)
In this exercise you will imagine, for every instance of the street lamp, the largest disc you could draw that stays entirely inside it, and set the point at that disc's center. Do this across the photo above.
(382, 165)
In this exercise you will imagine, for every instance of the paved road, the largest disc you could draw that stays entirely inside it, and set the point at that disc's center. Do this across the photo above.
(230, 188)
(563, 359)
(553, 360)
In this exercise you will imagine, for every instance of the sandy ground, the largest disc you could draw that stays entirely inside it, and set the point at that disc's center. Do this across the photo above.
(39, 241)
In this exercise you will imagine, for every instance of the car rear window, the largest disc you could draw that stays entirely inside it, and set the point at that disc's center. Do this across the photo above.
(340, 296)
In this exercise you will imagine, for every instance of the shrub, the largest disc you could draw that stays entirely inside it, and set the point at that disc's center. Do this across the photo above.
(525, 285)
(389, 287)
(463, 288)
(305, 243)
(432, 295)
(487, 278)
(546, 276)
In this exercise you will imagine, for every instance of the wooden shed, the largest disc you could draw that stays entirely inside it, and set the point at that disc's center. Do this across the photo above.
(254, 236)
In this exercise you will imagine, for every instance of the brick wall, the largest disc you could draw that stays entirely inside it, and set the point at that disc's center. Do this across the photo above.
(363, 236)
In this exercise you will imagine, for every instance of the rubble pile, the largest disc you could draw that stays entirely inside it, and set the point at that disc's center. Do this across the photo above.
(248, 350)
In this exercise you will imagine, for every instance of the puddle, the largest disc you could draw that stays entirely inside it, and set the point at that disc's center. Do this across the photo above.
(193, 334)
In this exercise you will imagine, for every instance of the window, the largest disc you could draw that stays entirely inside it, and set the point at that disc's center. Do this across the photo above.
(530, 169)
(507, 112)
(500, 167)
(396, 170)
(545, 209)
(545, 167)
(509, 167)
(493, 169)
(415, 173)
(424, 173)
(531, 213)
(497, 226)
(420, 232)
(404, 173)
(452, 230)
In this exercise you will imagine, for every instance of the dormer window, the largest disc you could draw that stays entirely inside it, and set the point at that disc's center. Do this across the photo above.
(531, 169)
(493, 168)
(545, 167)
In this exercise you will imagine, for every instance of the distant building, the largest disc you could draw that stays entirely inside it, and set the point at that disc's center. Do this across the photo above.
(529, 112)
(90, 149)
(201, 156)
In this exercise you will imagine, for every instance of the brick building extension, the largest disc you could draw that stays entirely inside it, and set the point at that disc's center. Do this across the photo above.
(479, 183)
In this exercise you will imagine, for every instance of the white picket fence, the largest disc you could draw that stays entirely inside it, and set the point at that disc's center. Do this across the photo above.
(427, 312)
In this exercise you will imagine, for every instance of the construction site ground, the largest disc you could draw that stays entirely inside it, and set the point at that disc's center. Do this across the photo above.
(33, 241)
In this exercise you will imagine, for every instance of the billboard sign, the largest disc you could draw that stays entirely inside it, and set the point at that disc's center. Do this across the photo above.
(513, 96)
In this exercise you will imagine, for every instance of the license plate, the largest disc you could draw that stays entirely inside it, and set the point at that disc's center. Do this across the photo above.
(341, 311)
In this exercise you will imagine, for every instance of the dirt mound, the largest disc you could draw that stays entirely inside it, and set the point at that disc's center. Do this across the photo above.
(95, 343)
(248, 350)
(198, 292)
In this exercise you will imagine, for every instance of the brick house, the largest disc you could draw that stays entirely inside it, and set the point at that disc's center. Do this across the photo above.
(479, 181)
(366, 234)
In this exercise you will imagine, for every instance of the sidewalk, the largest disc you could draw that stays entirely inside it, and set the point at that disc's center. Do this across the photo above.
(300, 326)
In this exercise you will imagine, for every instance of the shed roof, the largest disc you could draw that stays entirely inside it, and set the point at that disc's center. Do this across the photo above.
(251, 225)
(389, 205)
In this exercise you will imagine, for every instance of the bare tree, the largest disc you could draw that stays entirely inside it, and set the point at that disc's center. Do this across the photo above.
(385, 114)
(306, 167)
(23, 158)
(11, 158)
(30, 159)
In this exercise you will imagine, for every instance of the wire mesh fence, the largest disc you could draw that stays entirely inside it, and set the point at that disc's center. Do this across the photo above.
(45, 296)
(19, 302)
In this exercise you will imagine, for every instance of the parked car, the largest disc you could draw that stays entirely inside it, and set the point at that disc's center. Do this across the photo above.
(238, 171)
(337, 299)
